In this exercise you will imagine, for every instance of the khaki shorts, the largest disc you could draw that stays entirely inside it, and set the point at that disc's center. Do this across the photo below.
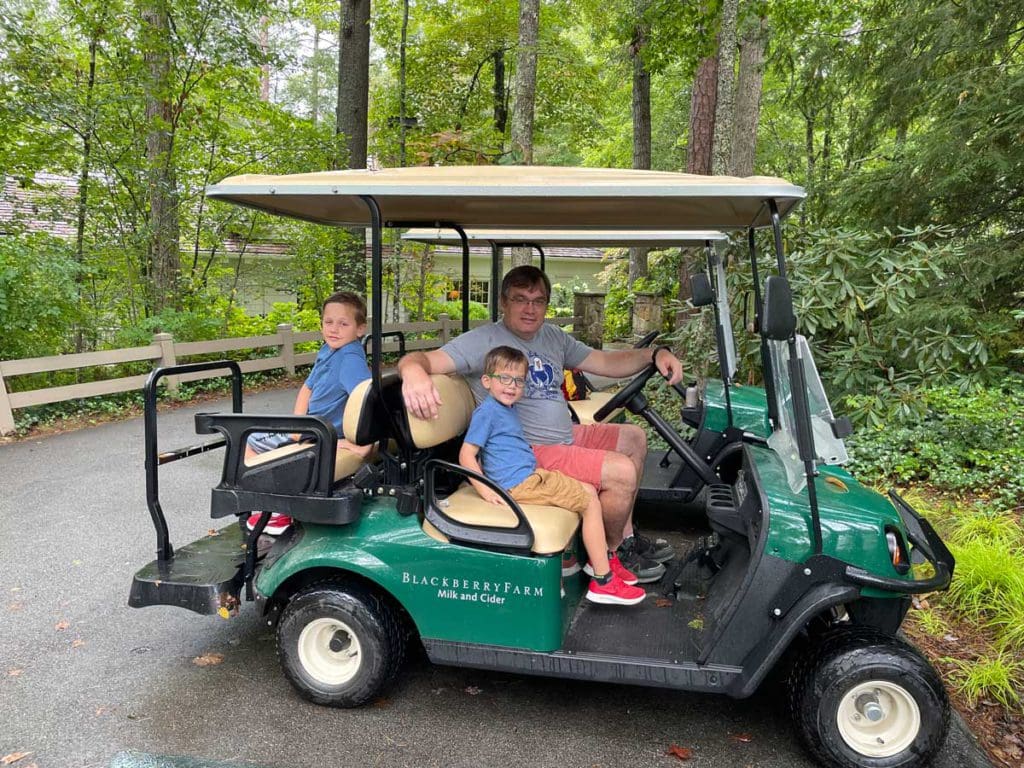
(553, 489)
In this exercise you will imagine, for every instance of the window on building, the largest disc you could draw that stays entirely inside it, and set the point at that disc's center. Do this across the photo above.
(479, 290)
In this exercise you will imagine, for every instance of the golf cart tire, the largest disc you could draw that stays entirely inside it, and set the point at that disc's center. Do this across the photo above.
(859, 663)
(339, 644)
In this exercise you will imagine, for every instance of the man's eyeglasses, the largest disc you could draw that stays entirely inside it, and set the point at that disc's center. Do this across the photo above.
(507, 380)
(522, 301)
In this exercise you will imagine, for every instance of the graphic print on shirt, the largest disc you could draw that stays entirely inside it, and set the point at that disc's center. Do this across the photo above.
(541, 382)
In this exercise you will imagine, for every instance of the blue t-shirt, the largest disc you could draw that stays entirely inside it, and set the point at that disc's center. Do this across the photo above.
(505, 456)
(336, 372)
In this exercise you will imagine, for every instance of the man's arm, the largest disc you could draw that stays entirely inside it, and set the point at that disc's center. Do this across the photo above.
(420, 395)
(618, 363)
(468, 459)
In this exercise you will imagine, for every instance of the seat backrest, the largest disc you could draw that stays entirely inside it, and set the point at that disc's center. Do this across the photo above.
(457, 404)
(366, 419)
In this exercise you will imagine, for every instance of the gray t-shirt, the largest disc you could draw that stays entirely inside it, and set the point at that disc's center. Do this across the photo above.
(543, 411)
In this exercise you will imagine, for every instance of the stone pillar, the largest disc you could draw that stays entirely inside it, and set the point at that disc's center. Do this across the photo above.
(646, 313)
(588, 307)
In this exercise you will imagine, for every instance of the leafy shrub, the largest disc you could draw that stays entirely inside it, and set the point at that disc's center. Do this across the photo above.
(964, 442)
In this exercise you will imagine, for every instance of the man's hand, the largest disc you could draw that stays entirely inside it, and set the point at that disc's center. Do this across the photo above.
(421, 396)
(668, 365)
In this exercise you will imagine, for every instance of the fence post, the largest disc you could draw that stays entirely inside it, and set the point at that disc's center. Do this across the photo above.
(6, 414)
(167, 357)
(588, 306)
(287, 347)
(445, 330)
(646, 313)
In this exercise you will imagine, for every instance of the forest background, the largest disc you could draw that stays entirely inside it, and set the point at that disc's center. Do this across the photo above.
(903, 119)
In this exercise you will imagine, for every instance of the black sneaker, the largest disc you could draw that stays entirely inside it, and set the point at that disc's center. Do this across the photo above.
(646, 570)
(658, 550)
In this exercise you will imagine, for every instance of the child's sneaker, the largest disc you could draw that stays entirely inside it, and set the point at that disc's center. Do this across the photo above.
(614, 592)
(277, 524)
(627, 576)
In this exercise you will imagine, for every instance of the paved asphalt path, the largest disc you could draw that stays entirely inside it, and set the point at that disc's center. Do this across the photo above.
(87, 681)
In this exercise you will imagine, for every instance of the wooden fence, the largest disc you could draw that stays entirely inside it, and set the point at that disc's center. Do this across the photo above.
(164, 351)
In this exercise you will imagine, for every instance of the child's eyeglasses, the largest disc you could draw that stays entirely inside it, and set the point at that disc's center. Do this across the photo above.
(506, 380)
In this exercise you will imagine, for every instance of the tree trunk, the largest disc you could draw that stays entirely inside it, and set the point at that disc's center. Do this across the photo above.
(352, 110)
(525, 88)
(641, 123)
(748, 97)
(809, 119)
(702, 117)
(163, 257)
(315, 96)
(500, 102)
(83, 191)
(401, 86)
(725, 102)
(265, 69)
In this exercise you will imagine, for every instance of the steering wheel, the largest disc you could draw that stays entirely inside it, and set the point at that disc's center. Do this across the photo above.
(627, 393)
(646, 341)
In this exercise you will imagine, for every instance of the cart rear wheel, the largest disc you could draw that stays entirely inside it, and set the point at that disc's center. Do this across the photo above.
(863, 699)
(339, 644)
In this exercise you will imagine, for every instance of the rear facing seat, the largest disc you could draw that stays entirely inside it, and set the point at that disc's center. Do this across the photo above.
(585, 409)
(553, 527)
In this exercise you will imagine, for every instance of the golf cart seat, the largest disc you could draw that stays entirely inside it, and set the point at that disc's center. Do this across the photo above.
(552, 527)
(584, 410)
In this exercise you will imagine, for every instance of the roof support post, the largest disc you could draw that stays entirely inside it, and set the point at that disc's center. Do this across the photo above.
(465, 276)
(495, 279)
(377, 293)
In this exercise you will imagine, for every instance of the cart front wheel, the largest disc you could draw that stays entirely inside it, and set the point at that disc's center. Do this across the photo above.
(862, 699)
(338, 644)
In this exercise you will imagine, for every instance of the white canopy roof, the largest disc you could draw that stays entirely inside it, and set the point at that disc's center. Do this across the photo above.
(598, 238)
(530, 197)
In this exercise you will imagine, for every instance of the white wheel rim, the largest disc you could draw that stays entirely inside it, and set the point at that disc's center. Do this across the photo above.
(898, 718)
(327, 665)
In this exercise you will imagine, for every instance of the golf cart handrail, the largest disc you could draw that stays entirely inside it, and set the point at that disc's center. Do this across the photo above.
(517, 197)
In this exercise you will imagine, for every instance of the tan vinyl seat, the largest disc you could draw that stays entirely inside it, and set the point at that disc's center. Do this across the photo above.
(553, 527)
(585, 409)
(346, 463)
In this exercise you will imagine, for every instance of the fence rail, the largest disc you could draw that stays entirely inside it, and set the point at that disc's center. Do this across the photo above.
(165, 351)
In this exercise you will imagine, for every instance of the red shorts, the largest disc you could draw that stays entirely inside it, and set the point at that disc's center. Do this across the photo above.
(585, 457)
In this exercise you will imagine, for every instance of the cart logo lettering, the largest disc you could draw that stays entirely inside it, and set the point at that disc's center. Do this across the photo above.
(471, 590)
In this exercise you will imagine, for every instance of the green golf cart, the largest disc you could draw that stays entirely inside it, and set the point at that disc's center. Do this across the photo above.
(796, 559)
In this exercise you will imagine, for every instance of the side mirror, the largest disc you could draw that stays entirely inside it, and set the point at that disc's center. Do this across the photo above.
(701, 294)
(779, 320)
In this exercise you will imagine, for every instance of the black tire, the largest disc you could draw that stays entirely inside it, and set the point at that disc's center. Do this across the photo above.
(858, 665)
(339, 644)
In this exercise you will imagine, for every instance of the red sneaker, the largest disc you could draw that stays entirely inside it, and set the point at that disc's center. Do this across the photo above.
(277, 524)
(614, 592)
(628, 577)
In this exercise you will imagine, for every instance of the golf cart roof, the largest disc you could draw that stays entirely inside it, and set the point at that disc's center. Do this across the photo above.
(535, 197)
(569, 237)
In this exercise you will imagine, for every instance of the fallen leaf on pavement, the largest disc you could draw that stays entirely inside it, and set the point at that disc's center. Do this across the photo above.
(680, 753)
(664, 602)
(472, 690)
(15, 606)
(746, 738)
(61, 625)
(14, 672)
(381, 703)
(100, 711)
(212, 532)
(77, 642)
(208, 659)
(13, 757)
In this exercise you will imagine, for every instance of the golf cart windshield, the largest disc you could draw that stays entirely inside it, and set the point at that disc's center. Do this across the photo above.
(716, 263)
(828, 448)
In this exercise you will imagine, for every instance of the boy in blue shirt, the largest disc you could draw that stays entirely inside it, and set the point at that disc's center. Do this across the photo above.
(495, 438)
(339, 367)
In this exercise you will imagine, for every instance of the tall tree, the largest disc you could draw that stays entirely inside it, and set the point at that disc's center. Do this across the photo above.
(163, 254)
(641, 121)
(725, 100)
(702, 116)
(525, 91)
(352, 114)
(748, 94)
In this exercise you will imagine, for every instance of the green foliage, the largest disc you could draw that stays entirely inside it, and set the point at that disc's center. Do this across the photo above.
(962, 442)
(38, 296)
(930, 622)
(999, 678)
(432, 310)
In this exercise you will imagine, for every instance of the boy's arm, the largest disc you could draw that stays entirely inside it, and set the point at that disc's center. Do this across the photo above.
(468, 459)
(301, 407)
(360, 450)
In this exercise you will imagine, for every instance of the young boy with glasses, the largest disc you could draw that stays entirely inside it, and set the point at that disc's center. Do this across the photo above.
(495, 439)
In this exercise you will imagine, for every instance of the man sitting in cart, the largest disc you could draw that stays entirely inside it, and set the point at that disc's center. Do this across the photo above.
(339, 367)
(608, 456)
(495, 440)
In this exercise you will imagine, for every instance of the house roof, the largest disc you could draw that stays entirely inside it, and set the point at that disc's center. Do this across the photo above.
(44, 204)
